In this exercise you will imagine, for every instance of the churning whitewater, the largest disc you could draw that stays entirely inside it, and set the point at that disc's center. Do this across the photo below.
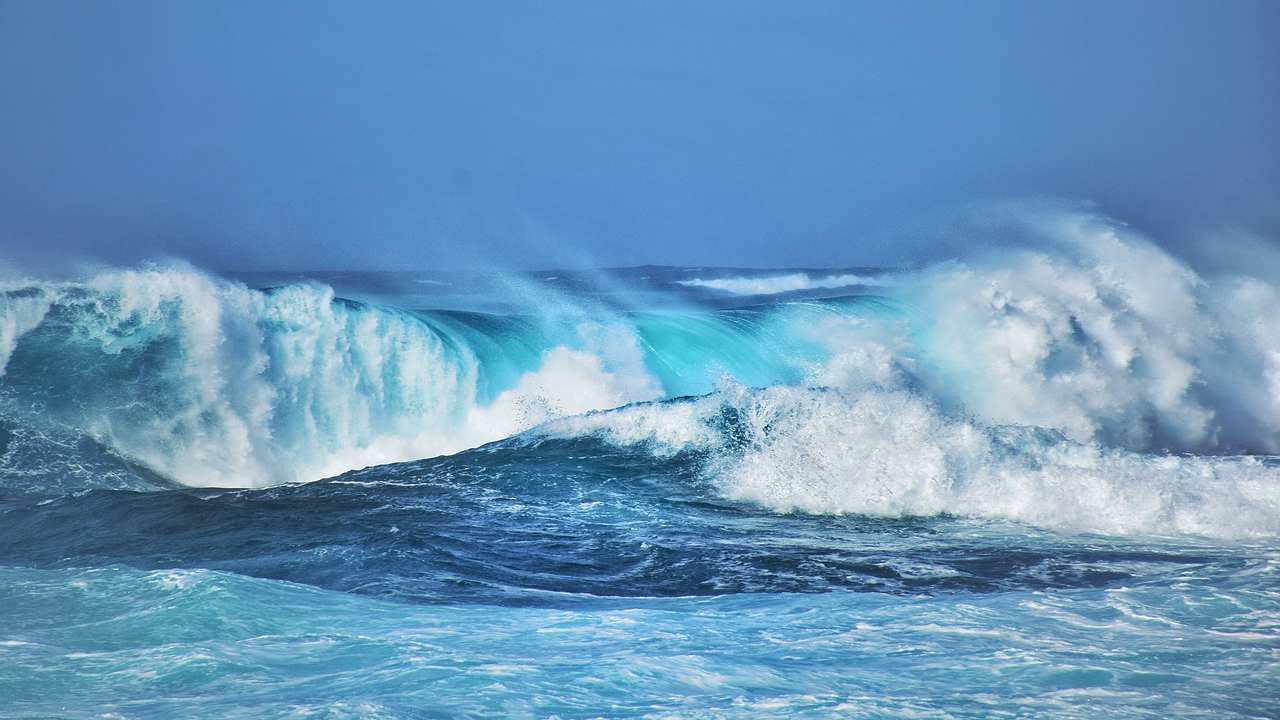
(1033, 455)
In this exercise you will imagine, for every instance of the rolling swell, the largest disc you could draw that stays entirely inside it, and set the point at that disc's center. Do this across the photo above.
(516, 523)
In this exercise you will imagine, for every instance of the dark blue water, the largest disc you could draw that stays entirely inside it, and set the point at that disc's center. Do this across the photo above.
(574, 578)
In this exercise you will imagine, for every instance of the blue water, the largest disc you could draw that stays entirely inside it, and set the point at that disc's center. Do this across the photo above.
(1037, 484)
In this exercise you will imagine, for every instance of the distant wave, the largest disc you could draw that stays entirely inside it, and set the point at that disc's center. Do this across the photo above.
(775, 284)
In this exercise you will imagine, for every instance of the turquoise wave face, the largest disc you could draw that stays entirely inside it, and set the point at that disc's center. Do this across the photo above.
(1041, 482)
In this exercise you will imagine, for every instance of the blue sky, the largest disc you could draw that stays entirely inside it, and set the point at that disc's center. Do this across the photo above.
(309, 135)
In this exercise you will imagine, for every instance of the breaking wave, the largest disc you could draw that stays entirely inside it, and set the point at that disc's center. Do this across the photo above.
(211, 383)
(1004, 384)
(893, 454)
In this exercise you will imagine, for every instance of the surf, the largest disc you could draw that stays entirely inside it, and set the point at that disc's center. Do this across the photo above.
(1089, 331)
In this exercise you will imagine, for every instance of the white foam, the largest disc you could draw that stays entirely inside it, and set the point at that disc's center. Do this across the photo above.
(19, 314)
(775, 284)
(1104, 336)
(891, 453)
(609, 373)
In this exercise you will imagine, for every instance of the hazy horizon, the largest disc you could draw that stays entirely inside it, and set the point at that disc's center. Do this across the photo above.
(248, 137)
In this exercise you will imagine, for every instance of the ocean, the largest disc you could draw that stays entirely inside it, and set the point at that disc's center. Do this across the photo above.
(1035, 481)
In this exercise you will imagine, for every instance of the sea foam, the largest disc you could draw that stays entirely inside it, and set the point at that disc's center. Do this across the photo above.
(894, 454)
